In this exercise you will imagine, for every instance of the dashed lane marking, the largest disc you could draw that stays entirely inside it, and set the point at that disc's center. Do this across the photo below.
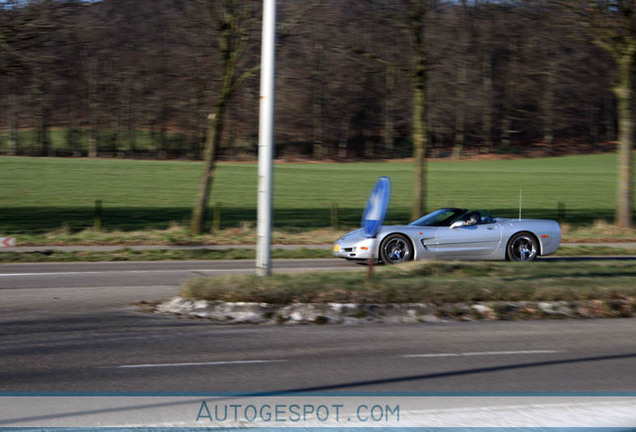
(211, 363)
(484, 353)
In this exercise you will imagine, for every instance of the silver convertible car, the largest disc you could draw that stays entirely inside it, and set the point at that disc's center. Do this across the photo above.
(452, 233)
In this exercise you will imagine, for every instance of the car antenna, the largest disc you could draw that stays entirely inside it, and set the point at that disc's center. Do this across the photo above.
(520, 199)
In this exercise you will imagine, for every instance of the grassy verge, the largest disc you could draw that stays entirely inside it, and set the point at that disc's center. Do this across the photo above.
(430, 282)
(590, 251)
(597, 232)
(246, 234)
(175, 235)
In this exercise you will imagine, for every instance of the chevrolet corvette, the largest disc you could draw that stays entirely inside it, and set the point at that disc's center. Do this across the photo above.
(454, 234)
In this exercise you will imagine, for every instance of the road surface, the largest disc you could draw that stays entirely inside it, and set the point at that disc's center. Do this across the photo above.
(74, 327)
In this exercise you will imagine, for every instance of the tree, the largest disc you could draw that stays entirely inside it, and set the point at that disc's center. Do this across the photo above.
(411, 17)
(407, 17)
(235, 22)
(417, 10)
(612, 26)
(465, 32)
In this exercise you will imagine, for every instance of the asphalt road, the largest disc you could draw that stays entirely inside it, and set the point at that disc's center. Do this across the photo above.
(41, 291)
(141, 273)
(73, 327)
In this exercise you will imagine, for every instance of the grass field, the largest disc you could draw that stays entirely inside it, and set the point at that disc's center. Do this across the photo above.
(40, 195)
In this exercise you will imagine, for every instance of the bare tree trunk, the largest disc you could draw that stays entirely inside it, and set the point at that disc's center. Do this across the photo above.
(73, 134)
(506, 123)
(114, 134)
(600, 125)
(595, 124)
(464, 33)
(343, 138)
(163, 131)
(235, 22)
(318, 144)
(128, 112)
(215, 131)
(92, 144)
(419, 151)
(419, 133)
(389, 124)
(13, 142)
(93, 107)
(41, 137)
(623, 91)
(548, 109)
(508, 103)
(486, 116)
(120, 133)
(460, 112)
(13, 126)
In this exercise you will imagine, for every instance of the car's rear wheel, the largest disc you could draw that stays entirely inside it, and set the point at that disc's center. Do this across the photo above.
(522, 246)
(395, 249)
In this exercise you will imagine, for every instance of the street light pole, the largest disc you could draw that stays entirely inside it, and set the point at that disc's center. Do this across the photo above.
(266, 141)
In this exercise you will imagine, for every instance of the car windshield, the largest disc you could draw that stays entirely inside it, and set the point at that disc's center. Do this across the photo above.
(441, 217)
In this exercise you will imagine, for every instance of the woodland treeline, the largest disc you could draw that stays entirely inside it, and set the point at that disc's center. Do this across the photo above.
(139, 78)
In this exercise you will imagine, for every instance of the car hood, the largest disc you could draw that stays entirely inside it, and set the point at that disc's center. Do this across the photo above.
(387, 229)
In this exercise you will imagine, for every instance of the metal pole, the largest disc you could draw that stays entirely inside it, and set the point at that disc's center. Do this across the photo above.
(266, 141)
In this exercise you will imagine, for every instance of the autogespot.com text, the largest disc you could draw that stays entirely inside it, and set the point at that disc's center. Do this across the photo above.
(215, 413)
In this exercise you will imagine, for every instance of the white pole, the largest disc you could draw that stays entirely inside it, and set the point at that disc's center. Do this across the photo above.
(266, 141)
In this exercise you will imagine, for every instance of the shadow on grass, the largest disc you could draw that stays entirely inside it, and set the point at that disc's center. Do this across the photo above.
(41, 220)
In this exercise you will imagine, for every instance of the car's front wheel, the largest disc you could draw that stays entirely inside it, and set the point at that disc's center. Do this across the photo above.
(523, 246)
(395, 249)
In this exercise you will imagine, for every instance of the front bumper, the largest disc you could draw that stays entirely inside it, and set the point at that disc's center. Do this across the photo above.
(361, 249)
(551, 240)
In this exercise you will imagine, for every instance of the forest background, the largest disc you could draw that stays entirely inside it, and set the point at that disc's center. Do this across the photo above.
(139, 78)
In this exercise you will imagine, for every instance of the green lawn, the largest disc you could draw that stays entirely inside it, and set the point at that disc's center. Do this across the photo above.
(44, 194)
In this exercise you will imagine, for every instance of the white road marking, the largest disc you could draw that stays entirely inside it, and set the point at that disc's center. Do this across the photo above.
(485, 353)
(110, 272)
(161, 271)
(213, 363)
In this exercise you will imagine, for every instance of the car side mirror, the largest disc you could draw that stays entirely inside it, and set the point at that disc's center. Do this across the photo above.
(457, 224)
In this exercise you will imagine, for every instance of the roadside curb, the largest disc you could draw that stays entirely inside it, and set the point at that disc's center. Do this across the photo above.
(396, 313)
